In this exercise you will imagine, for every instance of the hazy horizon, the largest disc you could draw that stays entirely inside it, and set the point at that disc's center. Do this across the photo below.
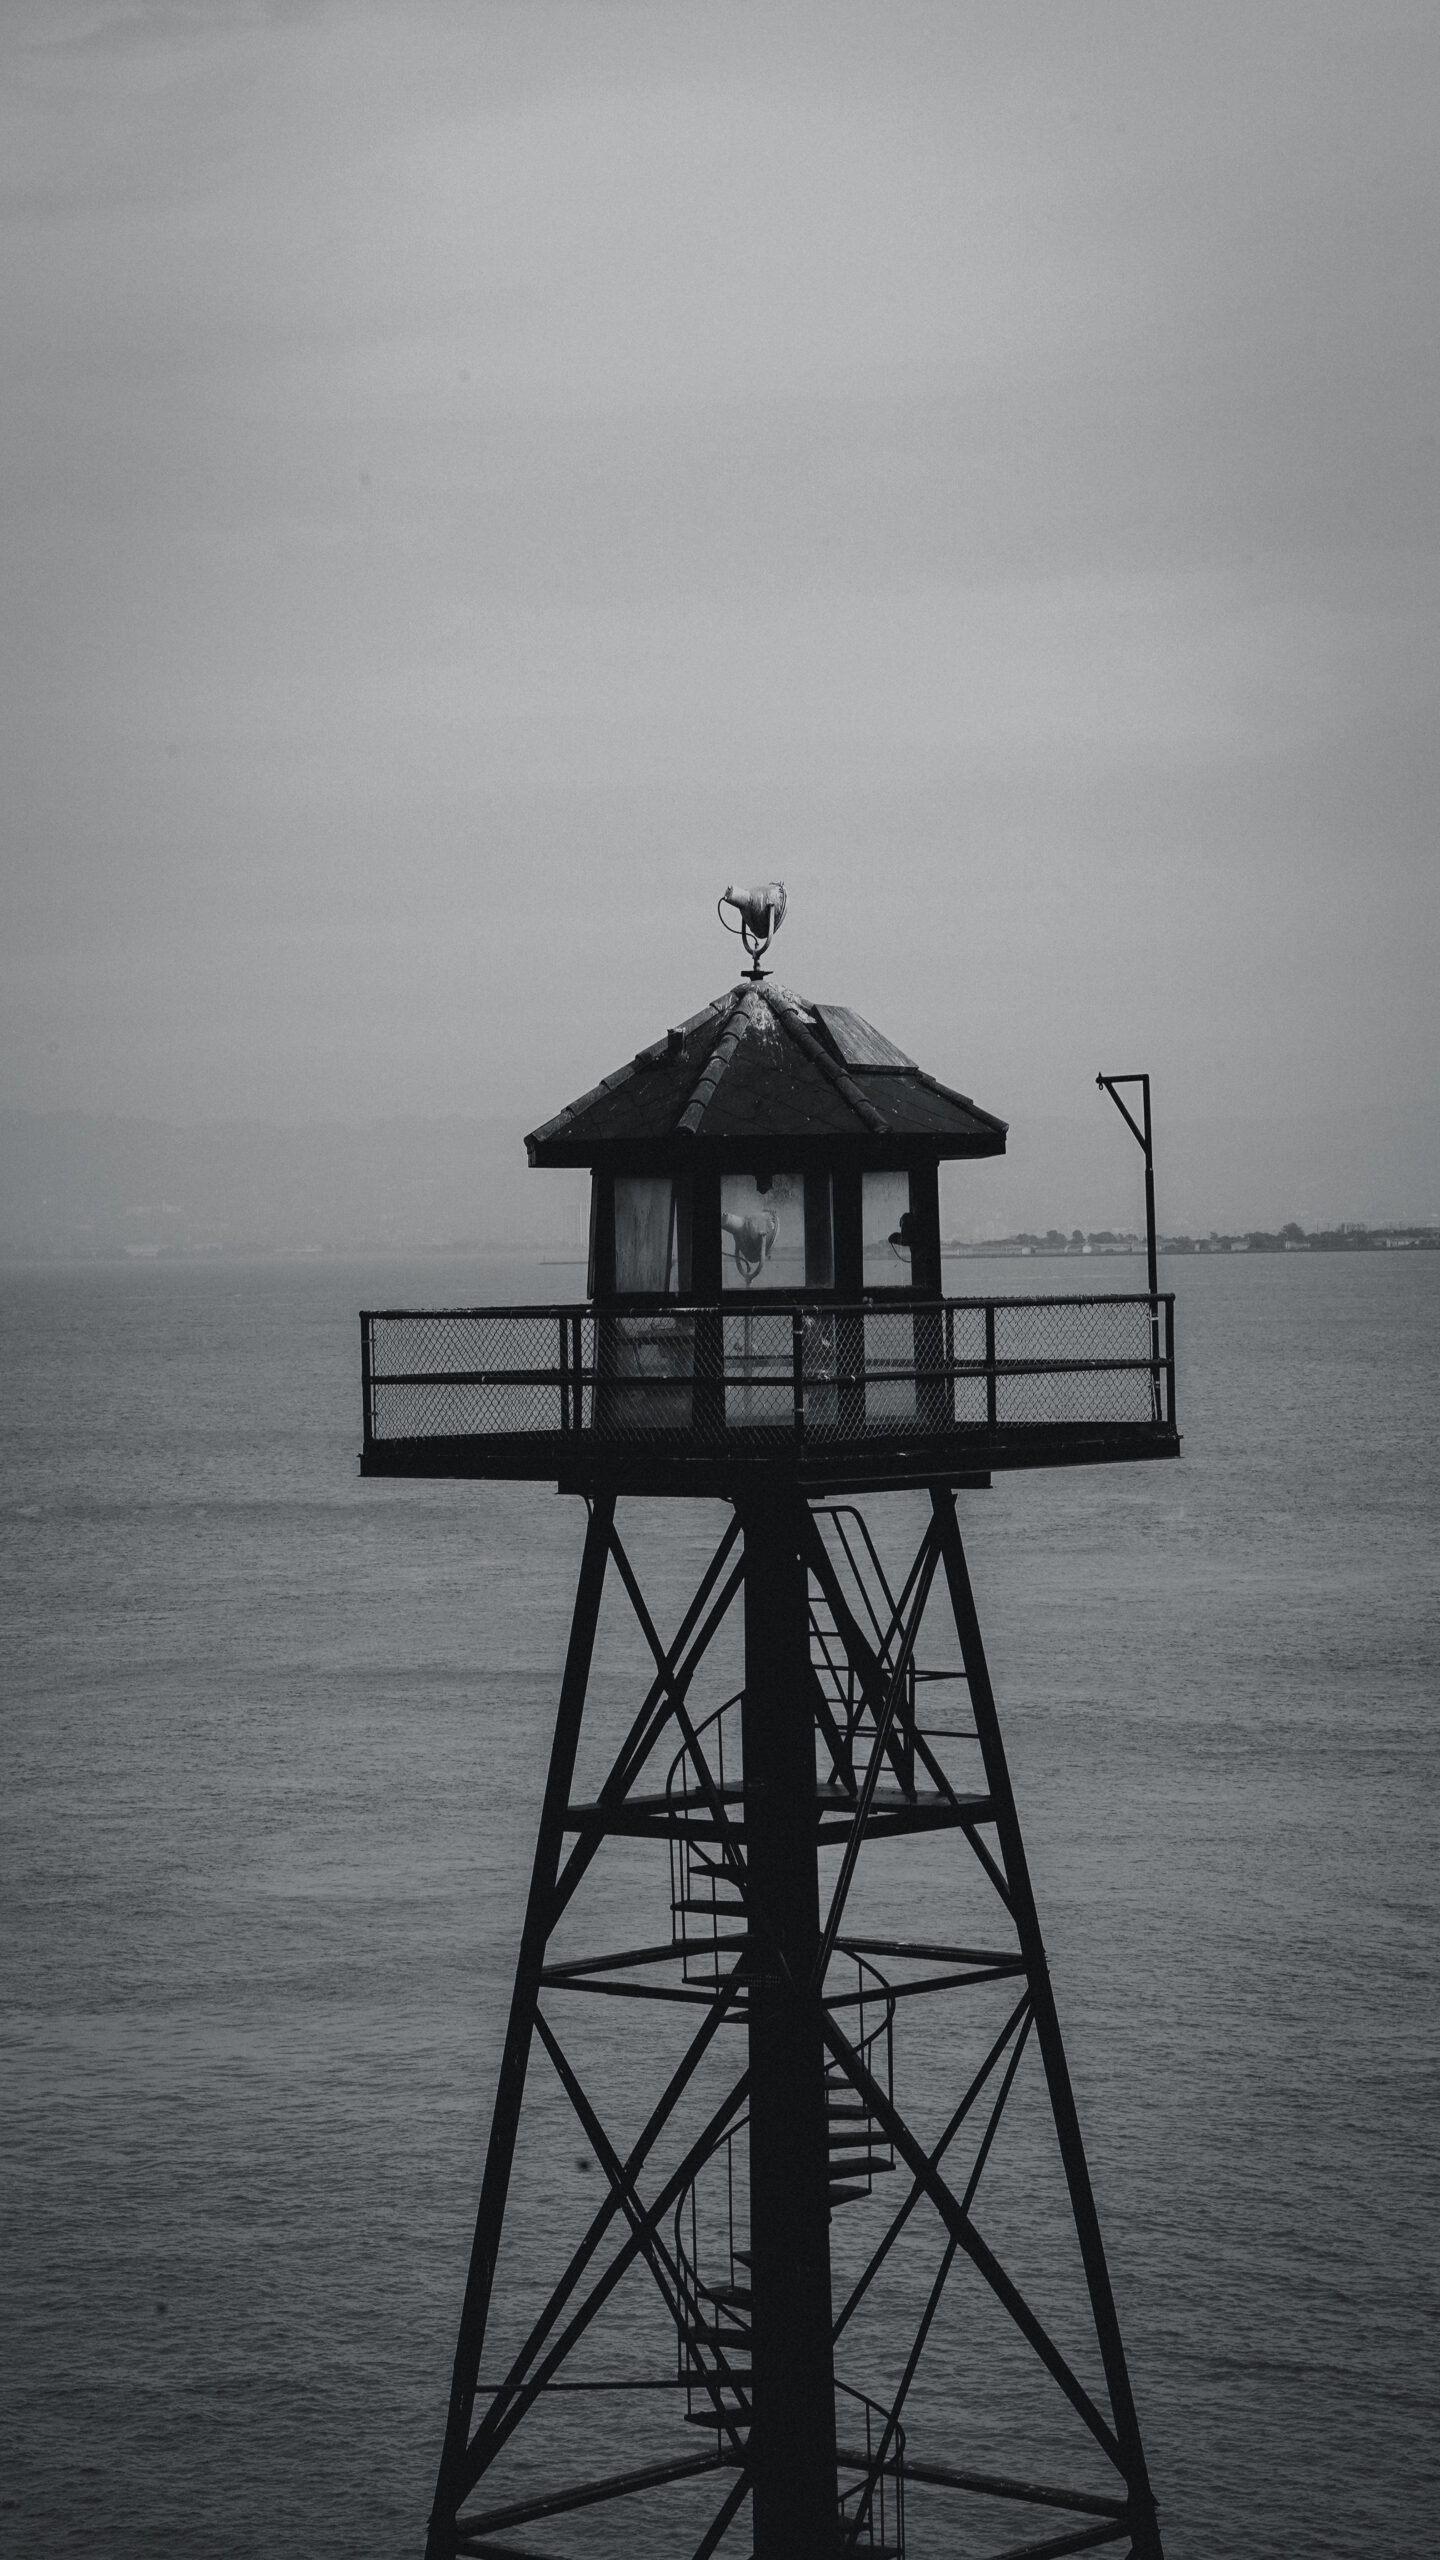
(478, 479)
(80, 1181)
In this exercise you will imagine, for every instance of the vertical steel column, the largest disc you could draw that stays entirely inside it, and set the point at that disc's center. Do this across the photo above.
(1143, 1133)
(1145, 2530)
(539, 1918)
(792, 2438)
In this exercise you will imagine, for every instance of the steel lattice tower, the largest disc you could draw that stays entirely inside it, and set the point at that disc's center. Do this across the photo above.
(799, 2116)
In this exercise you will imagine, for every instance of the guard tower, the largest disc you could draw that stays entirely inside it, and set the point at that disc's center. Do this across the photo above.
(810, 2303)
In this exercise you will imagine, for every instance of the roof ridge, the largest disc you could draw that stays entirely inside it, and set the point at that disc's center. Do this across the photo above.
(708, 1081)
(809, 1047)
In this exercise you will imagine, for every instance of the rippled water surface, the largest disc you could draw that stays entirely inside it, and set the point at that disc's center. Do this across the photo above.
(273, 1746)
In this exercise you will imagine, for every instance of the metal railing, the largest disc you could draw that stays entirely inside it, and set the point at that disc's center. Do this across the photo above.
(714, 1376)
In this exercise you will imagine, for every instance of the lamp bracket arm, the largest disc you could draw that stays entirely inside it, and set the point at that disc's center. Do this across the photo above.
(1109, 1084)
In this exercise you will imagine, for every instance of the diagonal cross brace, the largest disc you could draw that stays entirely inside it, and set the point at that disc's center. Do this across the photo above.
(489, 2440)
(1047, 2027)
(880, 1680)
(734, 1863)
(674, 1676)
(657, 2256)
(863, 2283)
(958, 2223)
(883, 1693)
(912, 2361)
(719, 2525)
(605, 2214)
(871, 1669)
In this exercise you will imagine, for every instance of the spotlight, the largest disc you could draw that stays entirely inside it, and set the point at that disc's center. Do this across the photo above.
(752, 1239)
(761, 913)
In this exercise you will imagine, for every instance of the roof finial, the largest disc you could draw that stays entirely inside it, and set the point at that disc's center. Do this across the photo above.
(761, 913)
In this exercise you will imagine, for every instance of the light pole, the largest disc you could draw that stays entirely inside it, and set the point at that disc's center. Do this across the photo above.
(1140, 1129)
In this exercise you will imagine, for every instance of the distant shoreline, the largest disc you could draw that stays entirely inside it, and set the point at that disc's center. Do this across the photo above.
(1401, 1238)
(1024, 1247)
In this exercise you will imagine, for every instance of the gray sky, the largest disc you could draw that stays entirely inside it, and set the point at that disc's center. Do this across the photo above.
(477, 478)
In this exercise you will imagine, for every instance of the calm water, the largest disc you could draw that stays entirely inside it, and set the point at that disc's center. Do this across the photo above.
(273, 1743)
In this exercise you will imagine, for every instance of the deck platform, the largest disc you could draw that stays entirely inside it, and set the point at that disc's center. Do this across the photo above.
(679, 1398)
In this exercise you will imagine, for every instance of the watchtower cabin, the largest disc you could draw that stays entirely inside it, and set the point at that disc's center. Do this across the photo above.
(754, 2291)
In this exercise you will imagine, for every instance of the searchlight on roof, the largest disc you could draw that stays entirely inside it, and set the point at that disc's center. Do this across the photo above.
(762, 913)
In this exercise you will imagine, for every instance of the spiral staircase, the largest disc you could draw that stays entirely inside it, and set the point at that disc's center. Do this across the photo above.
(710, 2223)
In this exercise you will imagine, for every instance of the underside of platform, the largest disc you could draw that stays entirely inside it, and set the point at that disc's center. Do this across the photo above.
(672, 1464)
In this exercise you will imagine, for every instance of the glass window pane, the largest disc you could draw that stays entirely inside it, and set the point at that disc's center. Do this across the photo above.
(885, 1230)
(762, 1230)
(644, 1232)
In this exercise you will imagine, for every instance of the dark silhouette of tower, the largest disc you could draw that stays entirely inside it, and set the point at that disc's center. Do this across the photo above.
(821, 2077)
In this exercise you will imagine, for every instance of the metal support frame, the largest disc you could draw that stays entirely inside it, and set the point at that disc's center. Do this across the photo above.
(766, 1864)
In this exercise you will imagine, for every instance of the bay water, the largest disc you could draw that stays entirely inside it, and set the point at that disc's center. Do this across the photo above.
(273, 1745)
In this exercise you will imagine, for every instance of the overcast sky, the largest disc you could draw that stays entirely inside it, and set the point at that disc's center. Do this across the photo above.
(478, 478)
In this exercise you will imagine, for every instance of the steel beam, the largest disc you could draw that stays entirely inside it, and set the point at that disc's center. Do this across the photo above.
(792, 2444)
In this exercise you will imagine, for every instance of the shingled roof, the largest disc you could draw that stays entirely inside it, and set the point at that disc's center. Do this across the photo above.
(761, 1064)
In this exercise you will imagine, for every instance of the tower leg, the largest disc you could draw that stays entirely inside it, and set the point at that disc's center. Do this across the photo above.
(1144, 2526)
(499, 2158)
(792, 2445)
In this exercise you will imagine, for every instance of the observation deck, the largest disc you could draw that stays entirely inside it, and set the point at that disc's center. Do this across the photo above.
(689, 1398)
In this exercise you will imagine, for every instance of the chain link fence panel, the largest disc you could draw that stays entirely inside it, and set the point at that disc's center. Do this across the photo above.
(716, 1376)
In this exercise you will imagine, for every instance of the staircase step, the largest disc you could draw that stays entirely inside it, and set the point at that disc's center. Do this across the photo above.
(847, 2195)
(713, 2417)
(860, 2164)
(738, 2294)
(714, 2334)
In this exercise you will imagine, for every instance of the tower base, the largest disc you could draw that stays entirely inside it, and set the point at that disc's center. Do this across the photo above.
(841, 2270)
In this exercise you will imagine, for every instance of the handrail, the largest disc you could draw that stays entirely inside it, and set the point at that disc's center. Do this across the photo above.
(676, 1371)
(879, 2463)
(692, 1867)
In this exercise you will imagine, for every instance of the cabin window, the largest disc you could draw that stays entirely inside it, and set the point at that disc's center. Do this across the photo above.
(645, 1254)
(887, 1231)
(776, 1231)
